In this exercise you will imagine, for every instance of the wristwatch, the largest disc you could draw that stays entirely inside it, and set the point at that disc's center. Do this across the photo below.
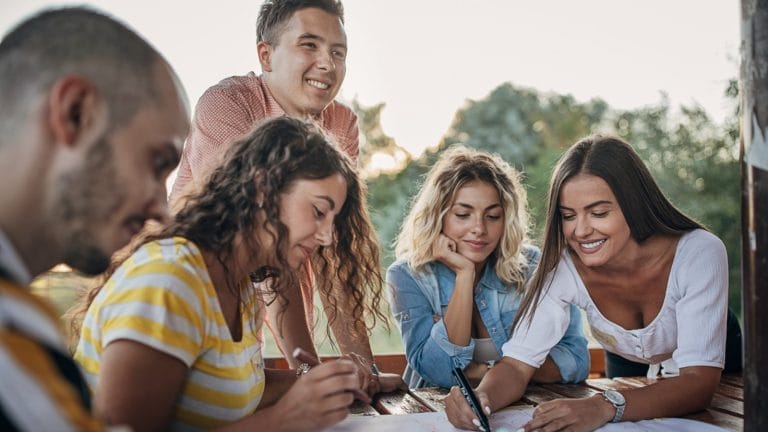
(617, 400)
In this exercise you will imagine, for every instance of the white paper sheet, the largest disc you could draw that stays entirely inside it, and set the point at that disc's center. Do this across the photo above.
(662, 425)
(508, 420)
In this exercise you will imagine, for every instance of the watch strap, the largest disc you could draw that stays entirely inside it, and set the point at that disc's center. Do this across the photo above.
(619, 407)
(619, 413)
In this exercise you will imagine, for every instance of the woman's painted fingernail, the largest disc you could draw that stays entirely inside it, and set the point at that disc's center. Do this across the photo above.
(476, 422)
(487, 409)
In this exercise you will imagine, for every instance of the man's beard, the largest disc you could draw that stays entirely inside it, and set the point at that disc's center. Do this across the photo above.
(90, 197)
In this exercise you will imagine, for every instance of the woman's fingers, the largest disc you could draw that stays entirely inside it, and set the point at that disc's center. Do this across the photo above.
(459, 412)
(364, 374)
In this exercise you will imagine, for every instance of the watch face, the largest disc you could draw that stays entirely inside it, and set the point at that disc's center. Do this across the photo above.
(615, 397)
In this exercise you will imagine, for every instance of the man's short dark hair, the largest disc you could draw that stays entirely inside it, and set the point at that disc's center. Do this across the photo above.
(275, 13)
(75, 41)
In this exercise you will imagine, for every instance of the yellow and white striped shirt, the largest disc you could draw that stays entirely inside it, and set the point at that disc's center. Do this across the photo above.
(162, 297)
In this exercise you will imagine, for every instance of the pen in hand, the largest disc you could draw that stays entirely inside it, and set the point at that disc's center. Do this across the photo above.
(304, 357)
(471, 398)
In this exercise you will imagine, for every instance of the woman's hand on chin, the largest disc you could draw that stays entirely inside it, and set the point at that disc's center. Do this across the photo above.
(446, 249)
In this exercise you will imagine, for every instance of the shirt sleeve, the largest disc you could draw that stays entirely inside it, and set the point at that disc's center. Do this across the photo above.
(155, 305)
(352, 146)
(702, 281)
(222, 116)
(571, 354)
(426, 342)
(342, 122)
(532, 340)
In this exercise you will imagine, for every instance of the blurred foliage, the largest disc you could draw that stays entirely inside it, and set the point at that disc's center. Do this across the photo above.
(694, 160)
(373, 140)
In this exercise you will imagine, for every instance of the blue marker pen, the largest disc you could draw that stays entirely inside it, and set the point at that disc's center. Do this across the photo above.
(471, 398)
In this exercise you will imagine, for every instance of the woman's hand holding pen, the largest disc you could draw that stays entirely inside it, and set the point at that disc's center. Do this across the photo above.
(372, 383)
(320, 397)
(459, 412)
(367, 380)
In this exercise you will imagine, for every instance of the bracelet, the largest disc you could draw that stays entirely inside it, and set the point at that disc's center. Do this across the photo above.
(302, 369)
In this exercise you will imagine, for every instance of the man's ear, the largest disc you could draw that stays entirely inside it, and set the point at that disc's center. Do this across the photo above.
(264, 51)
(72, 109)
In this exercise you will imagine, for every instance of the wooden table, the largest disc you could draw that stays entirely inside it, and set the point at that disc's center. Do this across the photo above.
(726, 410)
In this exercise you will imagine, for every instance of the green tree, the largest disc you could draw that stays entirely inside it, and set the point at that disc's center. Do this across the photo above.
(694, 160)
(373, 140)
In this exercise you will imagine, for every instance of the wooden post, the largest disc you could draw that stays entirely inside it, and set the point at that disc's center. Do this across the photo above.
(754, 206)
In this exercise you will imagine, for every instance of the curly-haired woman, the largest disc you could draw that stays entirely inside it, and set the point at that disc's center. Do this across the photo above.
(171, 340)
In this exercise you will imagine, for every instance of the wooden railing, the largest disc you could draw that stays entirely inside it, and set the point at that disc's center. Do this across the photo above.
(395, 363)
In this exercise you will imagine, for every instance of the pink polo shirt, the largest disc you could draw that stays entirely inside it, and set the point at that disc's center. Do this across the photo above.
(232, 108)
(228, 111)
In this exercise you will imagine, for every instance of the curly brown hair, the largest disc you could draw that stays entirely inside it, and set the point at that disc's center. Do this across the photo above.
(267, 163)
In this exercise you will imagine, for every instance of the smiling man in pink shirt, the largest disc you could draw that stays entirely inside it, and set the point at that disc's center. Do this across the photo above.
(302, 49)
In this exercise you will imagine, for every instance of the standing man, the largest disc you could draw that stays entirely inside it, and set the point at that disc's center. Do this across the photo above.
(92, 120)
(302, 49)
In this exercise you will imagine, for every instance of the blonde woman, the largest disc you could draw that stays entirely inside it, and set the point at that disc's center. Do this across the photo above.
(462, 263)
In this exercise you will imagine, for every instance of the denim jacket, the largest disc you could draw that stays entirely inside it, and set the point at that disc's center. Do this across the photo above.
(419, 300)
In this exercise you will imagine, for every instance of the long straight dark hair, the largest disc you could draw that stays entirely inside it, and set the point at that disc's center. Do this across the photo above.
(646, 209)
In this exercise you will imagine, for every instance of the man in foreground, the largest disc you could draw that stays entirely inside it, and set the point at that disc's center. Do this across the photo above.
(91, 124)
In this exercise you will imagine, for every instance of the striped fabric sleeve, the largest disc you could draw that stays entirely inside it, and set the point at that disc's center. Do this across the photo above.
(159, 304)
(34, 395)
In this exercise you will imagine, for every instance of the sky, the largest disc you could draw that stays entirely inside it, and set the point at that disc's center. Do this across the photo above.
(425, 58)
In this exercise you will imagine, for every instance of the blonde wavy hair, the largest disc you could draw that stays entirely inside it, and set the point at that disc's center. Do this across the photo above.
(456, 167)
